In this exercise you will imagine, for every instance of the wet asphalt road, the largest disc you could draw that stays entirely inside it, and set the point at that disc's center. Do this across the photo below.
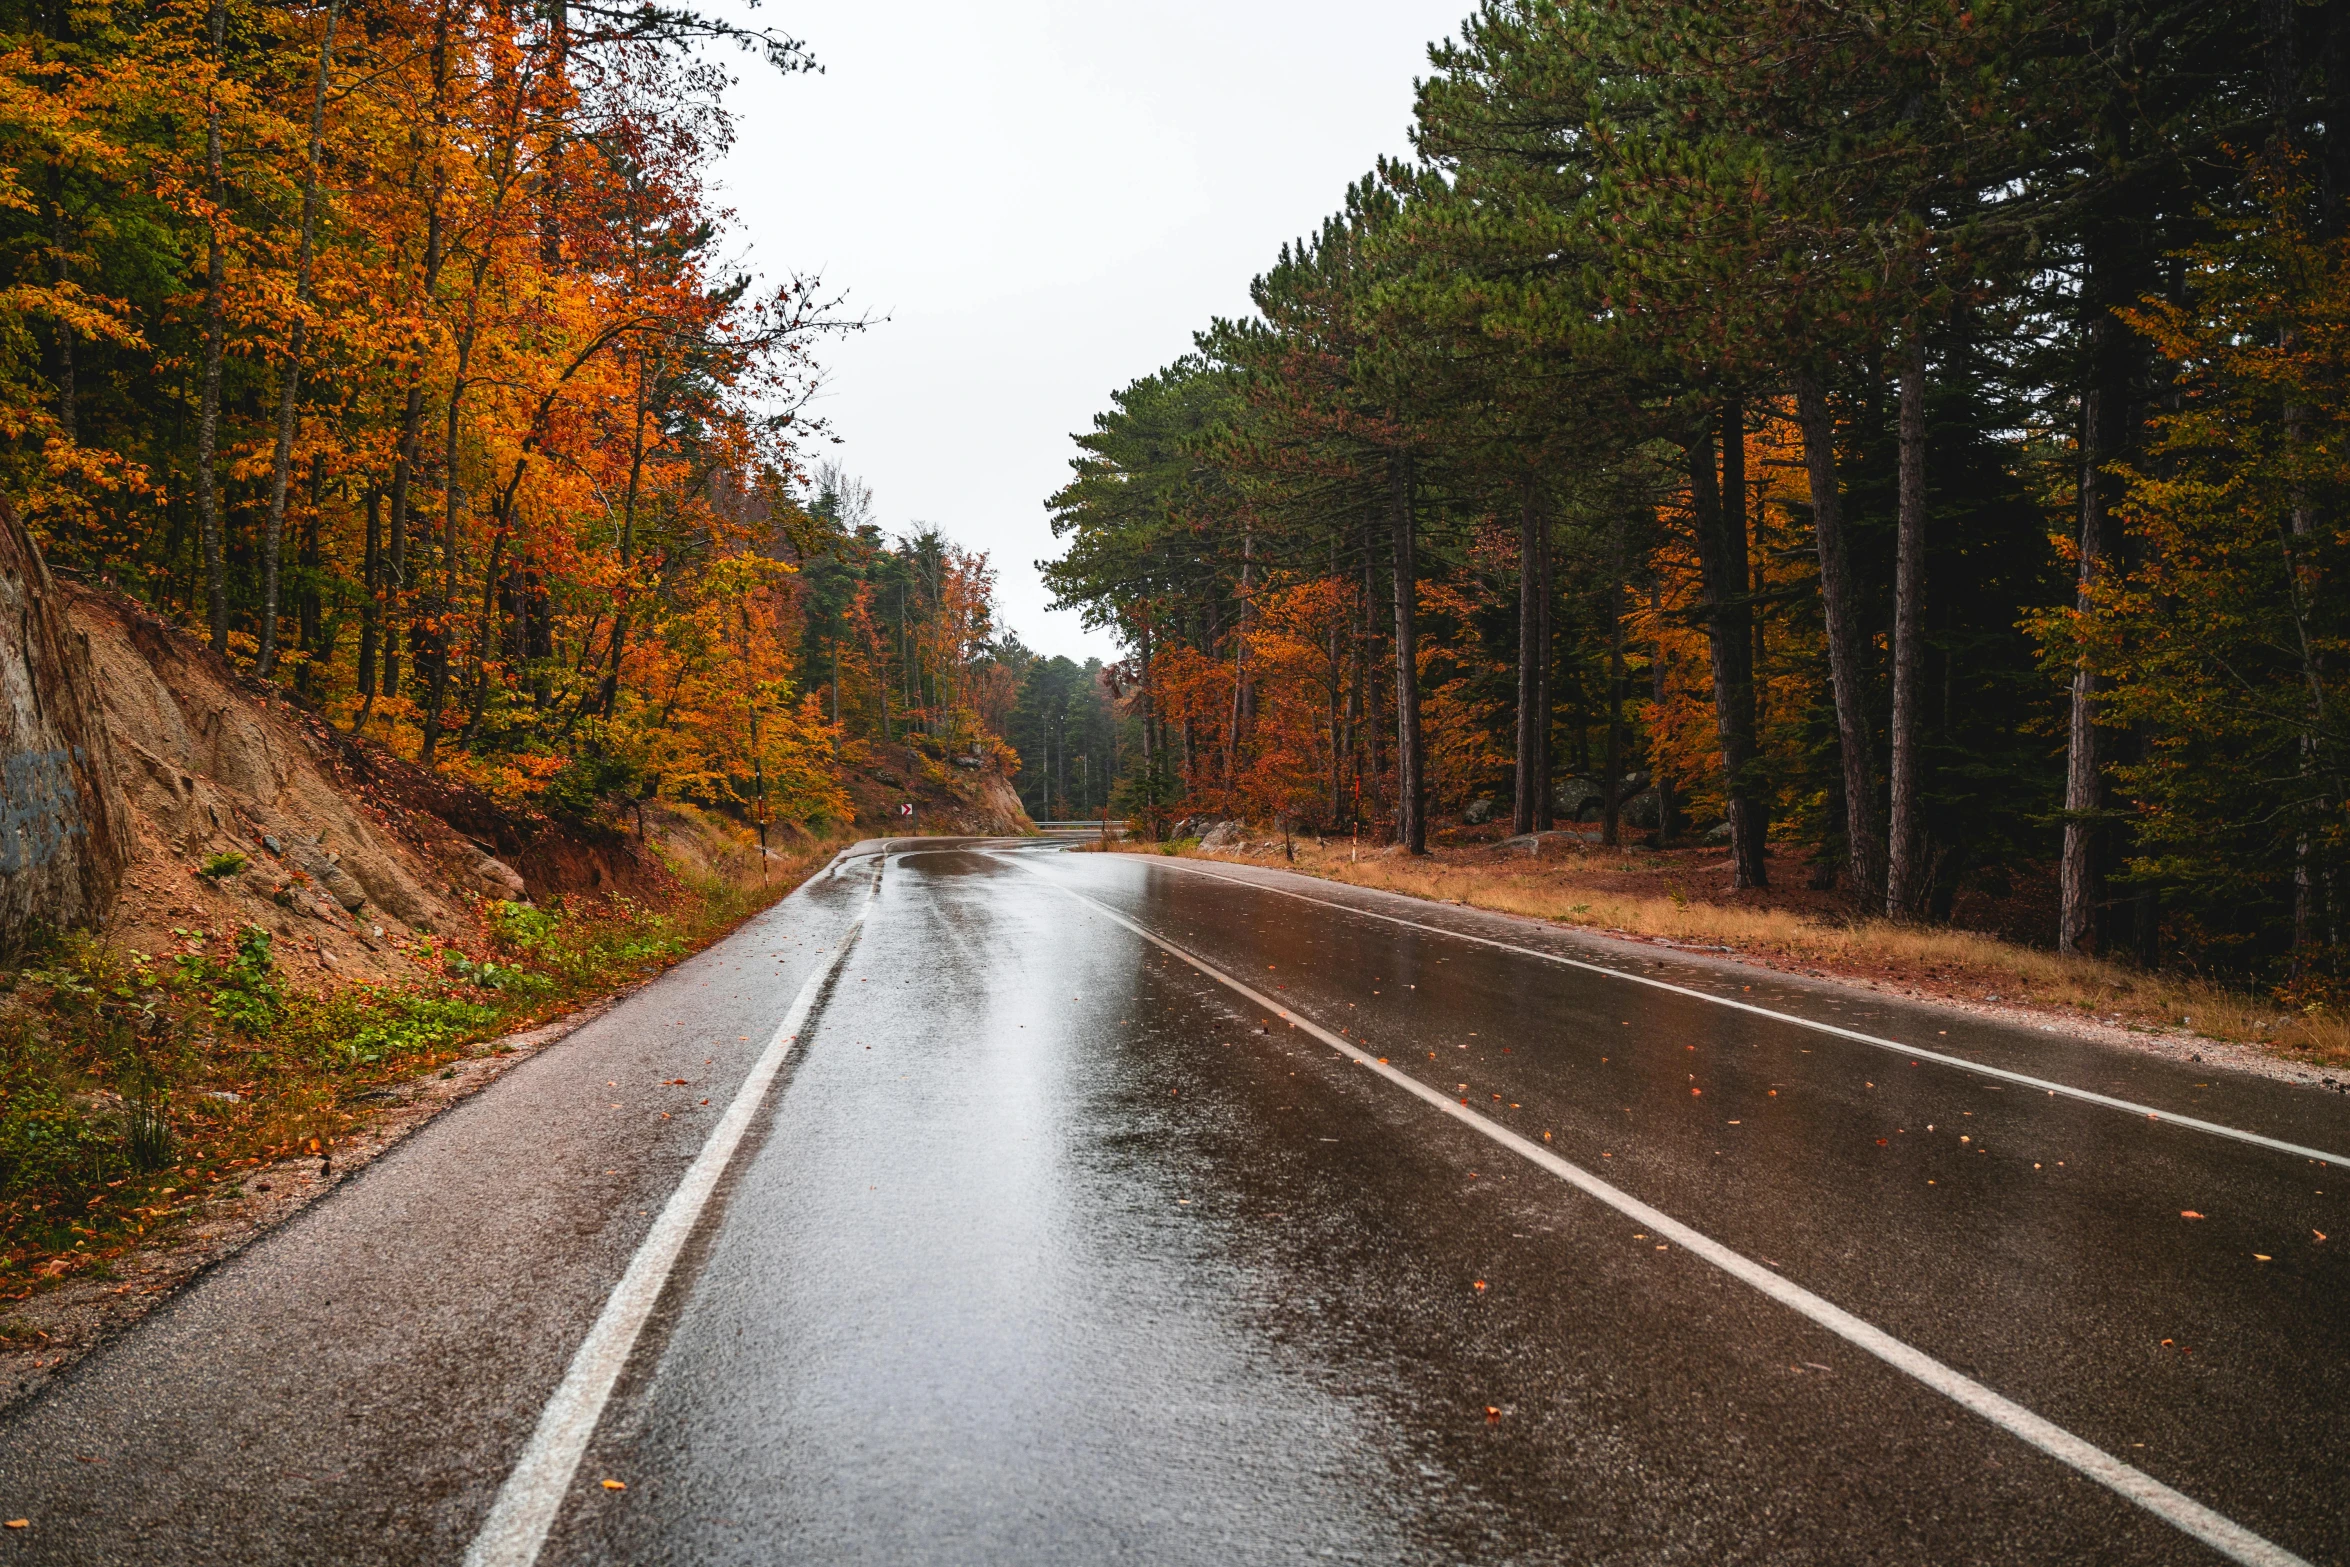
(1049, 1248)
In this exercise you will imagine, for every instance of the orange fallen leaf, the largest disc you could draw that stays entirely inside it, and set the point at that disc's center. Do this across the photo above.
(2189, 1213)
(1492, 1415)
(615, 1485)
(1480, 1284)
(20, 1523)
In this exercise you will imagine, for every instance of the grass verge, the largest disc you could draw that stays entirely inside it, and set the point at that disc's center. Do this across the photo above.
(135, 1088)
(1933, 962)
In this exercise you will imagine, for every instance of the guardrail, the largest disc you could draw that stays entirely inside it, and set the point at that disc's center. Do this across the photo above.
(1096, 824)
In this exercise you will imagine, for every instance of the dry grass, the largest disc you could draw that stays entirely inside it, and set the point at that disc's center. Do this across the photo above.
(1931, 962)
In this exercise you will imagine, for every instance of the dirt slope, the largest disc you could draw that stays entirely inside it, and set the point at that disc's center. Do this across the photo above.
(350, 850)
(949, 794)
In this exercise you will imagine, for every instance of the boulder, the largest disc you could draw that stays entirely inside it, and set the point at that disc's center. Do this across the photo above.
(313, 861)
(1223, 835)
(494, 878)
(1571, 798)
(1480, 811)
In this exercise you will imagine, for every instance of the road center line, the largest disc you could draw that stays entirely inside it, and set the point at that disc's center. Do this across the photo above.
(2182, 1512)
(532, 1496)
(1915, 1052)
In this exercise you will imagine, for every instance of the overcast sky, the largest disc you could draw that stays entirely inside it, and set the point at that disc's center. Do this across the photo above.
(1046, 198)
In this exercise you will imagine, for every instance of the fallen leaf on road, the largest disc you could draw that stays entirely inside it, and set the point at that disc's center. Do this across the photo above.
(2184, 1213)
(1480, 1284)
(615, 1485)
(1881, 1143)
(2320, 1234)
(2262, 1256)
(20, 1523)
(1492, 1415)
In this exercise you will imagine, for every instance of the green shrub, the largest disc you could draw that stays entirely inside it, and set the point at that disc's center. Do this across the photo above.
(222, 866)
(375, 1029)
(523, 927)
(48, 1142)
(586, 783)
(244, 990)
(508, 977)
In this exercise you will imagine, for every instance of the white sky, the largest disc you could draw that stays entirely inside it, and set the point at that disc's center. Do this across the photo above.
(1046, 198)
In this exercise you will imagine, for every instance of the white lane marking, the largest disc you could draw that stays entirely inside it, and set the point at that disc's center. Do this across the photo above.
(528, 1502)
(2182, 1512)
(1916, 1052)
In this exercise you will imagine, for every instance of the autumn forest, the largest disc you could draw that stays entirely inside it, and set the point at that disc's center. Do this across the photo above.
(1910, 435)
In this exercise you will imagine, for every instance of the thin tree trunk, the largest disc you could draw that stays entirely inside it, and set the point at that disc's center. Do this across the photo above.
(1546, 598)
(297, 335)
(610, 693)
(1411, 793)
(208, 410)
(412, 410)
(1722, 569)
(1337, 698)
(1240, 701)
(1611, 803)
(1847, 661)
(1659, 779)
(1904, 888)
(1533, 713)
(2104, 407)
(370, 594)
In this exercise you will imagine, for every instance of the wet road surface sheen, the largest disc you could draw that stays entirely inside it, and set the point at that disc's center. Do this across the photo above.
(1058, 1251)
(1049, 1247)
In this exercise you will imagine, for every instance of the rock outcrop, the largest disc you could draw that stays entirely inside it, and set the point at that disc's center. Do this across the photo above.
(65, 829)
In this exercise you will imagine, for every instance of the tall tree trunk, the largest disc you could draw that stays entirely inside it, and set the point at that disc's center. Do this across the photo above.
(412, 409)
(1338, 684)
(396, 542)
(60, 246)
(1847, 653)
(1411, 790)
(1611, 798)
(2105, 417)
(1546, 594)
(1240, 677)
(443, 609)
(208, 408)
(610, 692)
(1659, 779)
(1904, 887)
(1723, 573)
(370, 596)
(290, 381)
(1533, 711)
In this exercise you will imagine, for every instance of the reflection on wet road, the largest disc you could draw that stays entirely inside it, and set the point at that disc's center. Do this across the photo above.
(1053, 1248)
